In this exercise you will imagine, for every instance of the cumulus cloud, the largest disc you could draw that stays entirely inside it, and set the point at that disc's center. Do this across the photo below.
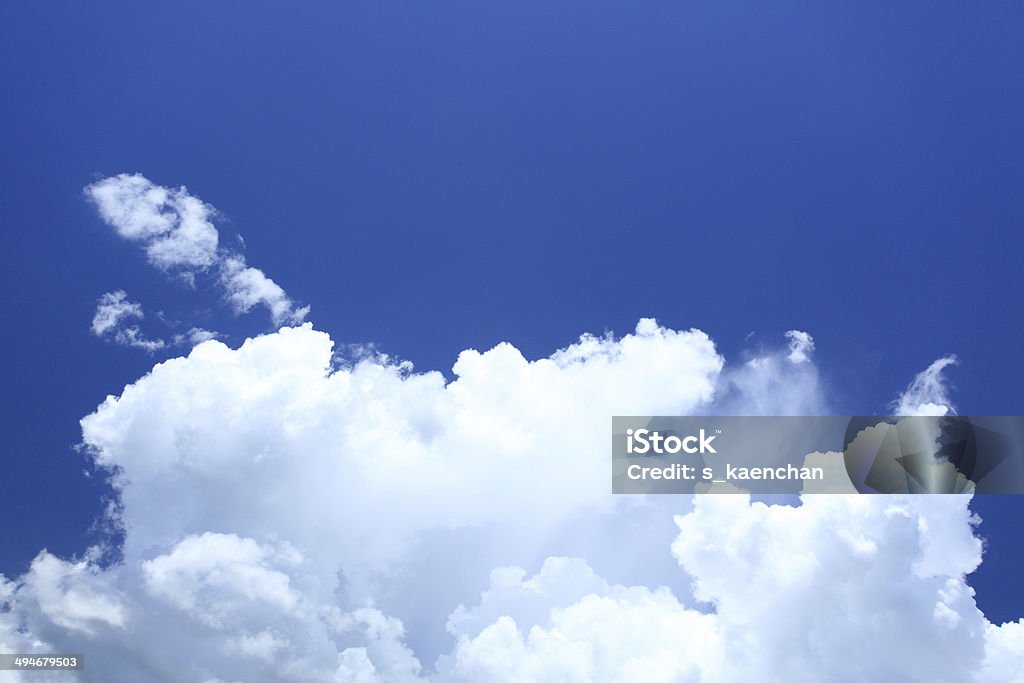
(373, 433)
(288, 517)
(928, 393)
(1004, 646)
(207, 576)
(75, 596)
(561, 582)
(177, 232)
(792, 586)
(843, 588)
(622, 634)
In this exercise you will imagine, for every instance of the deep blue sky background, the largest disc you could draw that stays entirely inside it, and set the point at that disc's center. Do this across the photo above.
(435, 176)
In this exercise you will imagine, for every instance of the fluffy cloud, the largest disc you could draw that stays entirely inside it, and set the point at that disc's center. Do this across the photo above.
(817, 583)
(1004, 646)
(74, 596)
(242, 430)
(176, 231)
(624, 634)
(289, 518)
(207, 576)
(843, 588)
(561, 582)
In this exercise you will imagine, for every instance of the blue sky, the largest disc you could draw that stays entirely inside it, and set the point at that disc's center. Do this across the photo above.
(434, 177)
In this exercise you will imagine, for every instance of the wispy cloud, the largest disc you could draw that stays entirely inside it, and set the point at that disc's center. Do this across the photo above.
(112, 310)
(928, 393)
(113, 320)
(176, 231)
(116, 319)
(134, 338)
(801, 345)
(173, 227)
(195, 335)
(246, 287)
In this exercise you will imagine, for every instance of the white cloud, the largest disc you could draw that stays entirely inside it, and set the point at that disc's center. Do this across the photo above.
(350, 466)
(112, 310)
(246, 287)
(176, 231)
(173, 227)
(111, 321)
(75, 596)
(263, 645)
(13, 638)
(801, 345)
(207, 576)
(289, 519)
(774, 383)
(133, 337)
(792, 586)
(1004, 653)
(194, 336)
(560, 583)
(928, 393)
(842, 588)
(627, 634)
